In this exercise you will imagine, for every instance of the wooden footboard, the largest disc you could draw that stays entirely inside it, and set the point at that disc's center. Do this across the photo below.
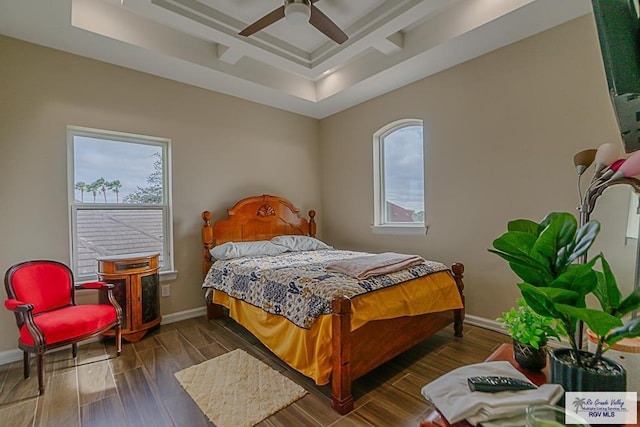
(357, 353)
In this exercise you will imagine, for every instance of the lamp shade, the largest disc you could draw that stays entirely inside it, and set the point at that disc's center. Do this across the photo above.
(630, 167)
(297, 12)
(607, 153)
(583, 159)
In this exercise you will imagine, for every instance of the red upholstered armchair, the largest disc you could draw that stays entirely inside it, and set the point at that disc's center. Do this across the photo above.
(41, 295)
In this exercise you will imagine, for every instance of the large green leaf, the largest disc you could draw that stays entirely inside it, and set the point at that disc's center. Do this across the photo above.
(579, 278)
(525, 265)
(538, 301)
(630, 330)
(519, 259)
(629, 304)
(543, 300)
(598, 321)
(515, 243)
(563, 296)
(534, 276)
(524, 225)
(559, 231)
(564, 225)
(514, 247)
(607, 291)
(583, 240)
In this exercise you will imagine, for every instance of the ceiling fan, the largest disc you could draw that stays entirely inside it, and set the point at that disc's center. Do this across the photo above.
(299, 11)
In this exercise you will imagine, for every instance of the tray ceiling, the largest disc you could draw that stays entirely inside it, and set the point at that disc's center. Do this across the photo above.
(293, 67)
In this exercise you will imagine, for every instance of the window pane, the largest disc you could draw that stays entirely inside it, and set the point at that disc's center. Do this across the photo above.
(117, 172)
(404, 175)
(113, 232)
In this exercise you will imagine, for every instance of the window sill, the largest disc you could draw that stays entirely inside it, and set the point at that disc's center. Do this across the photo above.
(167, 276)
(401, 230)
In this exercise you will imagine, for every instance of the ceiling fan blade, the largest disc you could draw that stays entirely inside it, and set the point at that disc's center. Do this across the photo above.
(263, 22)
(327, 26)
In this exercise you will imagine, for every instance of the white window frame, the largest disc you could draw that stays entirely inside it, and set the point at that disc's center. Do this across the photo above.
(167, 271)
(380, 225)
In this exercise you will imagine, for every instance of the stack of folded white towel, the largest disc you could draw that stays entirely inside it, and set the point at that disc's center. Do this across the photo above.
(451, 395)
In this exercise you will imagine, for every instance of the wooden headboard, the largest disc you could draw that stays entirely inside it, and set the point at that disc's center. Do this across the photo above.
(254, 218)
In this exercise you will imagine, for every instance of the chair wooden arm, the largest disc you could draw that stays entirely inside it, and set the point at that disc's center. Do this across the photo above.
(97, 285)
(109, 287)
(19, 306)
(26, 316)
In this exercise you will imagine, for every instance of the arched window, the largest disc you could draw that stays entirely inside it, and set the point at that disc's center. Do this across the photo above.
(399, 177)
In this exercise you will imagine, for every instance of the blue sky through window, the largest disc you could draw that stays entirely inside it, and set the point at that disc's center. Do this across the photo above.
(404, 168)
(130, 163)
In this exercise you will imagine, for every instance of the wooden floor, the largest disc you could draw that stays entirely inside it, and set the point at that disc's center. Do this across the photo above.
(139, 389)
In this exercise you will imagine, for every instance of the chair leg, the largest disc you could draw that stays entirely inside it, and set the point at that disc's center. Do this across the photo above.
(74, 350)
(118, 340)
(26, 366)
(41, 373)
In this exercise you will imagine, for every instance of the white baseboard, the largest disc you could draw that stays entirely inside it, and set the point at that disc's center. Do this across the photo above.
(485, 323)
(183, 315)
(492, 325)
(15, 355)
(9, 356)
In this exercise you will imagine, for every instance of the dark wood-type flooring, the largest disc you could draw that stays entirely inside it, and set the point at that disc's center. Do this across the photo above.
(139, 389)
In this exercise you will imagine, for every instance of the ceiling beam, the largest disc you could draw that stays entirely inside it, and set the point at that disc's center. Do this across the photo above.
(228, 54)
(390, 45)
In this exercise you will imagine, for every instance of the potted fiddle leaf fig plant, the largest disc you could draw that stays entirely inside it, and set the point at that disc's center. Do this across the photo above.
(543, 255)
(530, 333)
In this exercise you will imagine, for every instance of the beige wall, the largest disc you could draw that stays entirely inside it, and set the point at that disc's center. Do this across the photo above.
(501, 131)
(223, 149)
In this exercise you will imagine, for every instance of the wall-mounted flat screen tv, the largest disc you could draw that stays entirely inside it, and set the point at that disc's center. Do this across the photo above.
(618, 26)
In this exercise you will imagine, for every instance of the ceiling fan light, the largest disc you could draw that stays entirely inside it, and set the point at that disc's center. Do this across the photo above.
(297, 13)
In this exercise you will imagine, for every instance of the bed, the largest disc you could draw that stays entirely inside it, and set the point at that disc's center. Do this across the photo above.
(358, 333)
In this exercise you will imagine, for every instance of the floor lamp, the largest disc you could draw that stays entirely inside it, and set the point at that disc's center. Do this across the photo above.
(609, 170)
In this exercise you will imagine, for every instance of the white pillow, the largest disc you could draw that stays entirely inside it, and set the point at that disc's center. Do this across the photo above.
(300, 243)
(232, 250)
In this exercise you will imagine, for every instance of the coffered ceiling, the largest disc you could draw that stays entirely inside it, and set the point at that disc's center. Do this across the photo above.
(294, 67)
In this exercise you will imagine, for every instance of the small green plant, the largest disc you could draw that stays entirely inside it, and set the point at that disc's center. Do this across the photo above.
(527, 326)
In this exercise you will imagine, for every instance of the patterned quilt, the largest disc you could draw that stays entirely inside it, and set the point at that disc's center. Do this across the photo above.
(296, 285)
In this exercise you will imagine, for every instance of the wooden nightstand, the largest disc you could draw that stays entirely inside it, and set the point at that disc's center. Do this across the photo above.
(136, 281)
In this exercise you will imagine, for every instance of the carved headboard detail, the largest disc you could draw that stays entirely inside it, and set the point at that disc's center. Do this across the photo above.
(266, 210)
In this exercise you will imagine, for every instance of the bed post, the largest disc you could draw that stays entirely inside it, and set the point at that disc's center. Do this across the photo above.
(312, 223)
(459, 313)
(341, 398)
(213, 310)
(207, 242)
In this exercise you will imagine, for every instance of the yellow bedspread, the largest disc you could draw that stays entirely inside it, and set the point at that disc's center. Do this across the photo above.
(309, 350)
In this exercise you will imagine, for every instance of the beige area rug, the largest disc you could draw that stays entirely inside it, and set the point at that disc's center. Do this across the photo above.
(236, 389)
